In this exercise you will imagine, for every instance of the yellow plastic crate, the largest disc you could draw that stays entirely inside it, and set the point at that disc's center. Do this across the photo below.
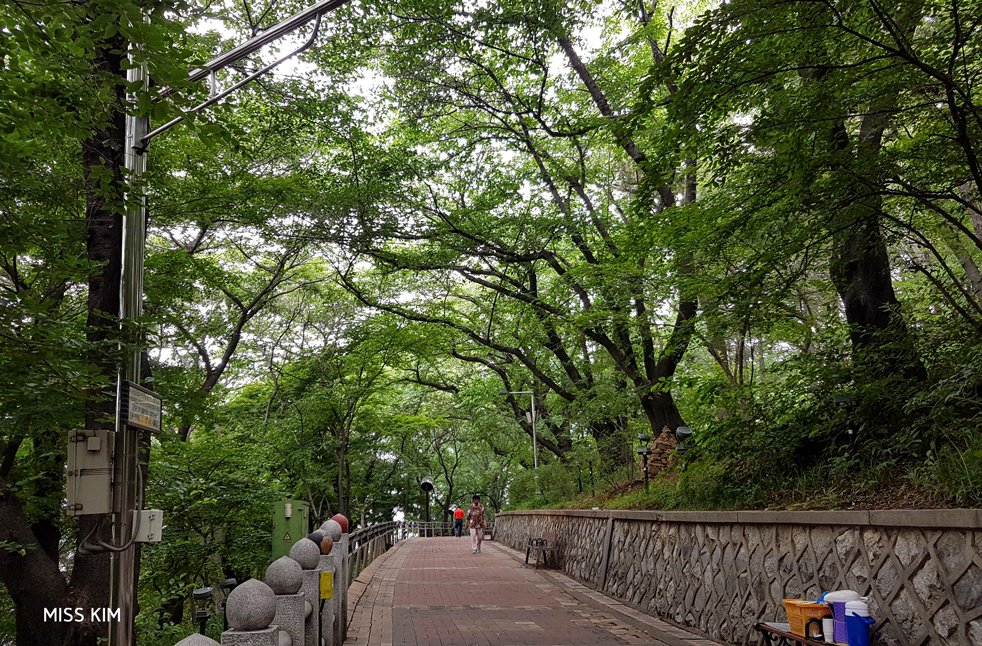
(800, 611)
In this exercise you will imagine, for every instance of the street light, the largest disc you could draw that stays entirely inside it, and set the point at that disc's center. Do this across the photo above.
(535, 442)
(427, 486)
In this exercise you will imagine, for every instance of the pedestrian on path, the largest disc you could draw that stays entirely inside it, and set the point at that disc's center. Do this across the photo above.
(476, 522)
(458, 521)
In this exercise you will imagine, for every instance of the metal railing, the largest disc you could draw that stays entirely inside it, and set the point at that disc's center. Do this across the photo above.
(365, 545)
(432, 529)
(428, 529)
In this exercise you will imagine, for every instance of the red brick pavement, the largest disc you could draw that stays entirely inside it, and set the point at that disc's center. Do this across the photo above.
(435, 592)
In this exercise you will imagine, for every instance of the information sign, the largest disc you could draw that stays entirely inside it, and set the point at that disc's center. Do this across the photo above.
(140, 407)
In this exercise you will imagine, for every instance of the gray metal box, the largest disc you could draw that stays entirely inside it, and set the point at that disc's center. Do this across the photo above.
(151, 526)
(90, 472)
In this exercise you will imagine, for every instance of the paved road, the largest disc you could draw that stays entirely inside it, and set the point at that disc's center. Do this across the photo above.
(435, 592)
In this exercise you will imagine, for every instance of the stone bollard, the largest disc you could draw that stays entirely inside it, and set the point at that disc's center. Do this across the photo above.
(332, 528)
(341, 585)
(285, 577)
(307, 554)
(250, 610)
(196, 639)
(328, 616)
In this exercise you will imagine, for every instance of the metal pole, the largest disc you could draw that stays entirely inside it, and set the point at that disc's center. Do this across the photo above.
(645, 471)
(122, 575)
(535, 445)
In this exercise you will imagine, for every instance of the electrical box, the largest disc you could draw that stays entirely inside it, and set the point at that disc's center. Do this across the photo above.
(291, 522)
(151, 526)
(90, 472)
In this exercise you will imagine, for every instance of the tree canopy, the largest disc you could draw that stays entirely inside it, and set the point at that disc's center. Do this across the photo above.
(758, 219)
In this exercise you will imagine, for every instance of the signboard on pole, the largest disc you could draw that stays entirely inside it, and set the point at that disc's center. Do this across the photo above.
(140, 407)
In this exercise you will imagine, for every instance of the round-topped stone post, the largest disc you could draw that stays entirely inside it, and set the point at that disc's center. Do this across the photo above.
(343, 578)
(251, 608)
(285, 577)
(197, 639)
(335, 530)
(307, 553)
(328, 566)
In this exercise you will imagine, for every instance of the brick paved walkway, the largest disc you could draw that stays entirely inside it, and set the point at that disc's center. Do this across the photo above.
(435, 592)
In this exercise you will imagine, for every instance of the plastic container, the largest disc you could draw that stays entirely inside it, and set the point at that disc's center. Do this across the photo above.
(839, 633)
(800, 611)
(841, 595)
(857, 629)
(857, 608)
(828, 629)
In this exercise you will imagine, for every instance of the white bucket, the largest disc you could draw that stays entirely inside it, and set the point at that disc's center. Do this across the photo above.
(842, 595)
(858, 608)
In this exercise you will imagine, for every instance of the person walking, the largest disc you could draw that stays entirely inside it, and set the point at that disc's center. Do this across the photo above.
(476, 522)
(458, 521)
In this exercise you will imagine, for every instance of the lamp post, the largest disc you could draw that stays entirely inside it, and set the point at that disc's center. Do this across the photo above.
(535, 442)
(644, 452)
(202, 603)
(682, 433)
(427, 486)
(227, 586)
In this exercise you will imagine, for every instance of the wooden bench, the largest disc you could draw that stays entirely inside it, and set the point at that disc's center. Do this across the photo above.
(777, 634)
(542, 547)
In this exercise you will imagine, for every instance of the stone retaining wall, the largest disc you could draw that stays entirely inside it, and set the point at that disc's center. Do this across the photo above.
(721, 572)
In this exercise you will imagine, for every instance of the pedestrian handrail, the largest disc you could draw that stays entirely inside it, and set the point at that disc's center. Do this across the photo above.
(423, 529)
(428, 529)
(365, 545)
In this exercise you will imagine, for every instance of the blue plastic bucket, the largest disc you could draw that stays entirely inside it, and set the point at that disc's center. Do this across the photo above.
(857, 628)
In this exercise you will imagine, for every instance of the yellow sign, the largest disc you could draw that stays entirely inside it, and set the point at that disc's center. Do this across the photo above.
(327, 585)
(286, 538)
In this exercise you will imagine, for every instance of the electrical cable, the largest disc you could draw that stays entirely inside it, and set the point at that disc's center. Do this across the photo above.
(102, 546)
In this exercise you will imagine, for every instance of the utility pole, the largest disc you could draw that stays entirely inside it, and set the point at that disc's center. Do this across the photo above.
(126, 480)
(125, 494)
(535, 441)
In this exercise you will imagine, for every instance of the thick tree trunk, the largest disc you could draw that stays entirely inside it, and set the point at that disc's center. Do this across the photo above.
(860, 265)
(860, 271)
(33, 580)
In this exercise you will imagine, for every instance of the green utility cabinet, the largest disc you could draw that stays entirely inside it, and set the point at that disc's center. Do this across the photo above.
(291, 522)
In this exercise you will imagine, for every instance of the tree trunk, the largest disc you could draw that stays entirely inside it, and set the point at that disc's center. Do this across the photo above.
(34, 580)
(860, 265)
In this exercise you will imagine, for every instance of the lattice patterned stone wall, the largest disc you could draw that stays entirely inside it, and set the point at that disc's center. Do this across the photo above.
(924, 583)
(579, 540)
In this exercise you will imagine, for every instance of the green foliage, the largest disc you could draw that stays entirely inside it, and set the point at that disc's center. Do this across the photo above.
(217, 495)
(757, 218)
